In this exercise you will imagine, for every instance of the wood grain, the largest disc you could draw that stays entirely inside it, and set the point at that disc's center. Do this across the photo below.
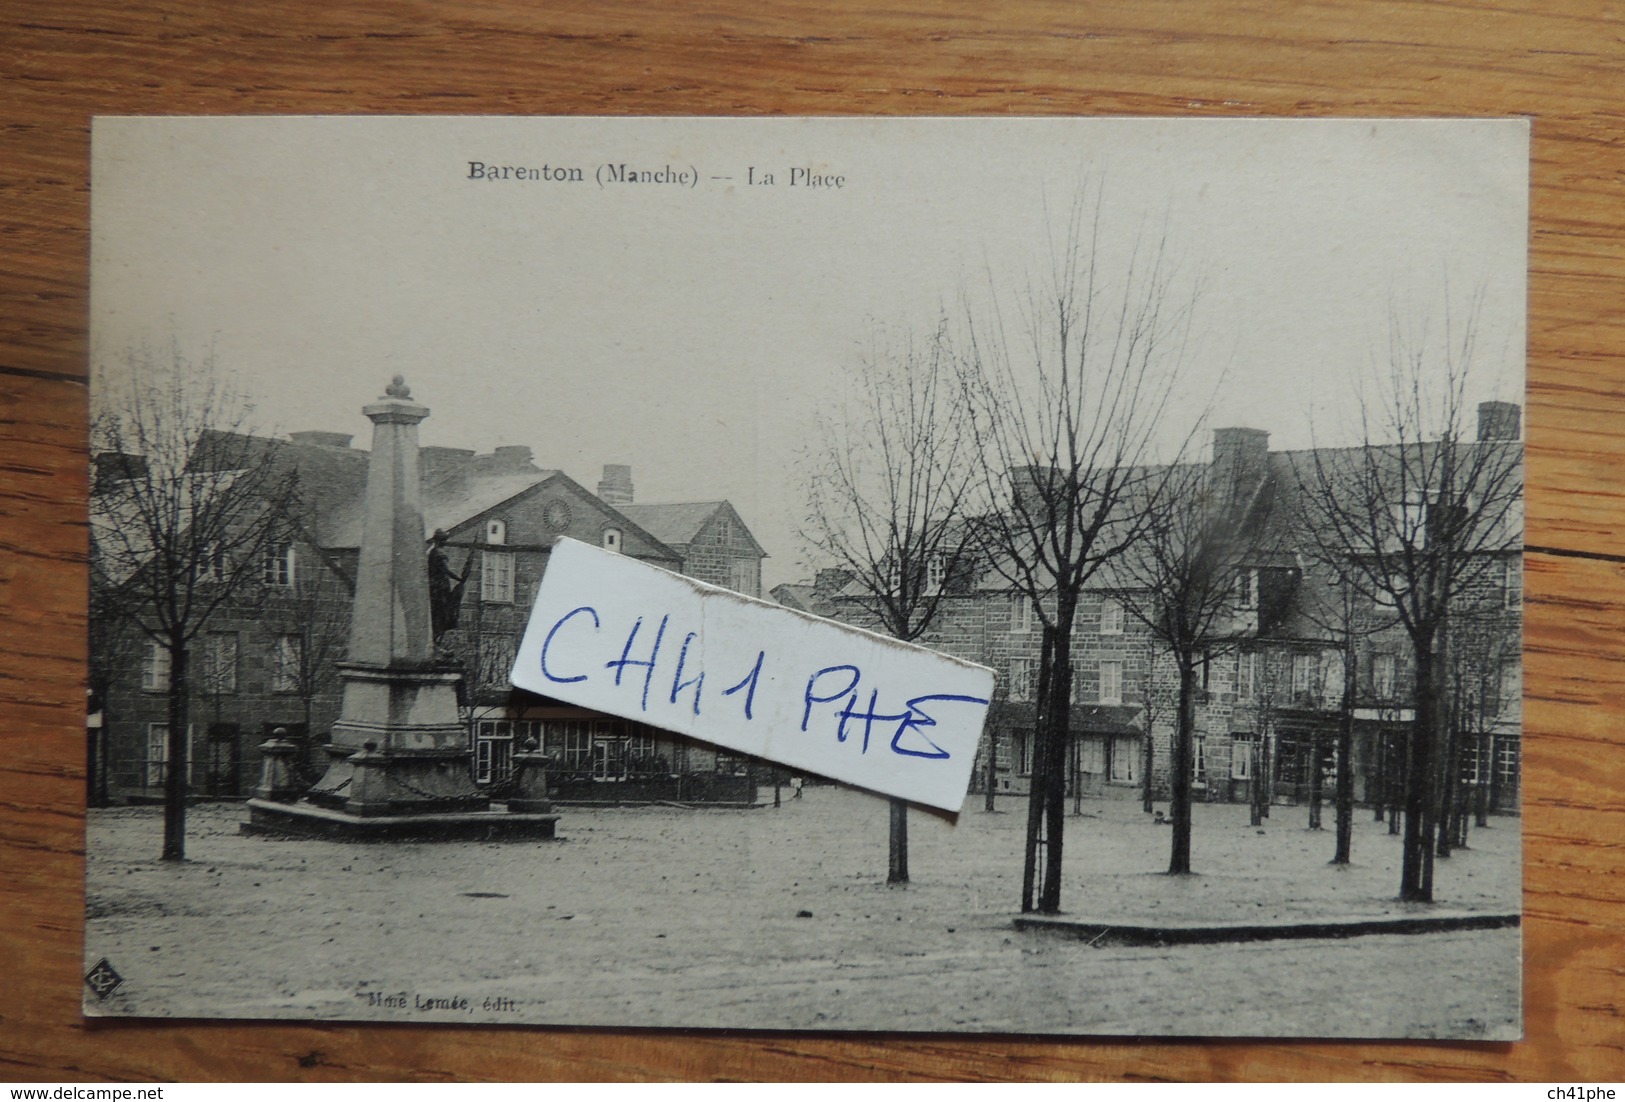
(66, 61)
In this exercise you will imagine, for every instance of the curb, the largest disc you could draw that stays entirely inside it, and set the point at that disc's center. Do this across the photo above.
(1110, 933)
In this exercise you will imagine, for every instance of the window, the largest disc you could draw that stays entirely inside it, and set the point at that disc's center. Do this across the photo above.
(1092, 755)
(1111, 681)
(1023, 678)
(1246, 675)
(493, 751)
(1506, 763)
(1021, 613)
(1514, 584)
(1305, 674)
(219, 669)
(277, 567)
(496, 577)
(1382, 676)
(157, 764)
(1125, 758)
(1471, 762)
(936, 570)
(1241, 758)
(211, 564)
(1331, 675)
(1411, 518)
(1111, 616)
(1023, 747)
(1199, 774)
(155, 668)
(1247, 590)
(1511, 687)
(287, 654)
(571, 742)
(612, 539)
(496, 532)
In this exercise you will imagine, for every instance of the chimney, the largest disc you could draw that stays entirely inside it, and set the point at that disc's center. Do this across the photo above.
(615, 488)
(322, 439)
(508, 459)
(1499, 420)
(1241, 459)
(436, 462)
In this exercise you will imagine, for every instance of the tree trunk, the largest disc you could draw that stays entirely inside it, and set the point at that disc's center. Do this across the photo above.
(1315, 779)
(1077, 776)
(1449, 785)
(177, 766)
(1398, 781)
(1377, 789)
(897, 870)
(992, 772)
(1416, 865)
(1255, 790)
(1495, 773)
(1179, 858)
(1148, 764)
(1037, 790)
(1345, 761)
(1056, 719)
(1481, 791)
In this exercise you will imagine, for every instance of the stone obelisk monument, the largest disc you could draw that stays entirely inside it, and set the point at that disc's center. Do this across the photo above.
(399, 751)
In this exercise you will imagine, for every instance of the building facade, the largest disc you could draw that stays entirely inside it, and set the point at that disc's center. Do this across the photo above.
(1272, 695)
(266, 659)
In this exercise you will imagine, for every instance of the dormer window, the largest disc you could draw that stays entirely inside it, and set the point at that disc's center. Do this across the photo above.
(496, 532)
(1247, 590)
(612, 539)
(277, 565)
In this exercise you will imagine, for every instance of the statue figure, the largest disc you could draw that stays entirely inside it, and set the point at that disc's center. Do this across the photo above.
(445, 586)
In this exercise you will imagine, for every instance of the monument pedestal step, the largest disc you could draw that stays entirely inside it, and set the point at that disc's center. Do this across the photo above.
(309, 821)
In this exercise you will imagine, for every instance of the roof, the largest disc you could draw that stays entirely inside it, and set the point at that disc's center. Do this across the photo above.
(679, 523)
(447, 503)
(804, 597)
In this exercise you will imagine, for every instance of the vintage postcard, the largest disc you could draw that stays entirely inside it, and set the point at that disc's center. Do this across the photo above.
(1169, 471)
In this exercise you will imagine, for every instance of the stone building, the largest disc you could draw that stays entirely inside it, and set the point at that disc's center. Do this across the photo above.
(1271, 697)
(266, 660)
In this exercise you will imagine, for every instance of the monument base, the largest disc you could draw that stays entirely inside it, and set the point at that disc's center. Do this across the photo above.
(306, 820)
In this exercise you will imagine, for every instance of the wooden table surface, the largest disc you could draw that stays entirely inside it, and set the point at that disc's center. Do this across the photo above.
(63, 62)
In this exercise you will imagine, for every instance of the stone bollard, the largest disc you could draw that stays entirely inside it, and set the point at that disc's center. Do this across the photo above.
(530, 769)
(369, 782)
(276, 769)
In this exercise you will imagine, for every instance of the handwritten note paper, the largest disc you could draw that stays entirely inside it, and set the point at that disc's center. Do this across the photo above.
(614, 634)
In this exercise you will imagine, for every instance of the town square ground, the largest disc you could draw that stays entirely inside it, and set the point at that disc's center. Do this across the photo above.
(780, 918)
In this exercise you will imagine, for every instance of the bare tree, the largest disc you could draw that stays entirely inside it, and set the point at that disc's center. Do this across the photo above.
(1069, 389)
(188, 515)
(888, 496)
(114, 654)
(1484, 639)
(1418, 513)
(1188, 582)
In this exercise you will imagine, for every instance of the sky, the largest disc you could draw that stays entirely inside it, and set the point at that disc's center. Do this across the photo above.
(692, 326)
